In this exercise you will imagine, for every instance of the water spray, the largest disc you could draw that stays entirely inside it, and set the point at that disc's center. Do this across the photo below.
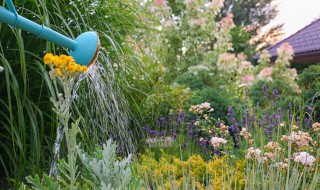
(84, 49)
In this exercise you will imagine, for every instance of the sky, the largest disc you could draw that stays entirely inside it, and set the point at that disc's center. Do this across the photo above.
(295, 14)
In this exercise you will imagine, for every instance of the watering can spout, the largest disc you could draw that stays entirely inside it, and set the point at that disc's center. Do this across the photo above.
(84, 49)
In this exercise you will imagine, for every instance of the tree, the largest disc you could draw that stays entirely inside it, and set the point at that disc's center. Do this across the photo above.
(253, 14)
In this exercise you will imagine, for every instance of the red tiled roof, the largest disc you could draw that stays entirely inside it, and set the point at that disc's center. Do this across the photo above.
(305, 42)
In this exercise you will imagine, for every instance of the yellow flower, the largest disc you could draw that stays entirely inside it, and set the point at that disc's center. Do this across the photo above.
(59, 62)
(84, 69)
(72, 67)
(69, 59)
(48, 58)
(59, 71)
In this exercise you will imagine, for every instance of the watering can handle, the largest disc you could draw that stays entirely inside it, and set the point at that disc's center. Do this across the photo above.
(13, 10)
(11, 7)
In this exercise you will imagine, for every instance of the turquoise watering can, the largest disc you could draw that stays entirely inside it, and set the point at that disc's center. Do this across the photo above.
(84, 49)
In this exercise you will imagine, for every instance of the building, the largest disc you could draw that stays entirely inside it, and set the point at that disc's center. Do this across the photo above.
(305, 43)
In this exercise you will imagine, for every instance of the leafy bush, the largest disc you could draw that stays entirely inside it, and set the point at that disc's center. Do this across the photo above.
(309, 82)
(219, 101)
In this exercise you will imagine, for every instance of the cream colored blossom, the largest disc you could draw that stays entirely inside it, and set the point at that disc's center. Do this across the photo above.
(253, 154)
(224, 128)
(273, 146)
(244, 133)
(316, 127)
(281, 165)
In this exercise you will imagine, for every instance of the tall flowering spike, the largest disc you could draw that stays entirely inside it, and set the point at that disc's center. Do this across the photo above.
(285, 54)
(265, 74)
(264, 58)
(227, 62)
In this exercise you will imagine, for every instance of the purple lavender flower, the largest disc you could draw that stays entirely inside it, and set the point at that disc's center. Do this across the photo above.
(158, 123)
(309, 109)
(280, 113)
(298, 120)
(181, 115)
(179, 122)
(145, 129)
(264, 89)
(230, 110)
(162, 133)
(276, 94)
(216, 152)
(152, 133)
(183, 146)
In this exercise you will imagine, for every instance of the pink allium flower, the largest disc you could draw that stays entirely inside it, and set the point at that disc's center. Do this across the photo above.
(304, 158)
(216, 141)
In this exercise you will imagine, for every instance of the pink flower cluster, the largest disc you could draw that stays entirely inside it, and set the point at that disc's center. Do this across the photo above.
(265, 74)
(248, 79)
(216, 141)
(304, 158)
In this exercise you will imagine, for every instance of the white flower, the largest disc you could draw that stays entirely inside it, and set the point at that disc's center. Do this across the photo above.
(305, 158)
(1, 69)
(216, 141)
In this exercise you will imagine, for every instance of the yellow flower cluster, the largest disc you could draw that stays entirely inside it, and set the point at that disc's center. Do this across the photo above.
(63, 64)
(174, 173)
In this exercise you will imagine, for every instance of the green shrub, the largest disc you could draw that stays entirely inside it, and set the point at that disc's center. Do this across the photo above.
(219, 101)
